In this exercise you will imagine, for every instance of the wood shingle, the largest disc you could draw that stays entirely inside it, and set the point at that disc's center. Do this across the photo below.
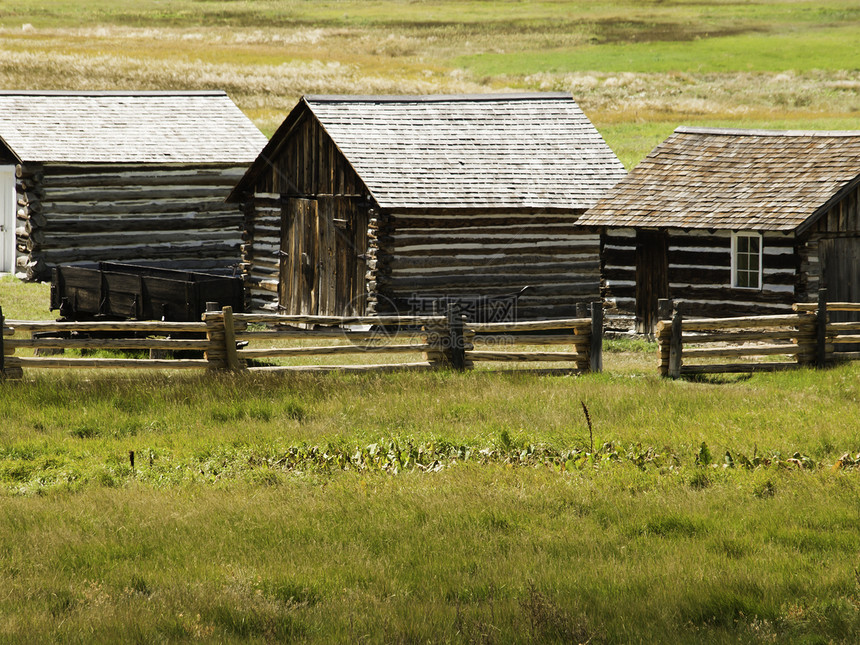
(733, 179)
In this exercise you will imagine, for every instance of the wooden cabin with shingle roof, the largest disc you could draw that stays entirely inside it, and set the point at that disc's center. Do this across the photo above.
(364, 204)
(732, 222)
(121, 176)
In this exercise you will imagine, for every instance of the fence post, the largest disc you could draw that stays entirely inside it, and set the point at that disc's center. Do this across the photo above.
(456, 344)
(214, 334)
(675, 343)
(230, 340)
(821, 328)
(596, 350)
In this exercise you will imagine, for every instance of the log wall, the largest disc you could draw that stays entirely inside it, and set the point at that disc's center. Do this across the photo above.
(166, 216)
(459, 253)
(469, 254)
(699, 274)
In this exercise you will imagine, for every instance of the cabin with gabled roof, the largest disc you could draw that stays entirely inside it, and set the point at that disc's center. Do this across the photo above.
(376, 204)
(126, 176)
(732, 222)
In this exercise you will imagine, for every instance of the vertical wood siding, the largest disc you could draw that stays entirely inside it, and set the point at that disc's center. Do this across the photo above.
(163, 216)
(830, 254)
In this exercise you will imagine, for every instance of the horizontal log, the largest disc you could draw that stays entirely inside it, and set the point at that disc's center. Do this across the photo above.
(846, 338)
(333, 349)
(180, 221)
(579, 325)
(743, 322)
(108, 363)
(326, 333)
(831, 306)
(534, 264)
(109, 343)
(277, 319)
(839, 327)
(722, 352)
(389, 367)
(179, 249)
(149, 326)
(480, 220)
(738, 367)
(847, 356)
(133, 191)
(476, 355)
(527, 339)
(134, 207)
(108, 241)
(224, 176)
(741, 336)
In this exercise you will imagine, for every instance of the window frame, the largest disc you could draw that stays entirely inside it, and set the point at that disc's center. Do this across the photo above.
(736, 236)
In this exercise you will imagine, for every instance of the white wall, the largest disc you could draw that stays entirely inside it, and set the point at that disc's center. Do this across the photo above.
(7, 218)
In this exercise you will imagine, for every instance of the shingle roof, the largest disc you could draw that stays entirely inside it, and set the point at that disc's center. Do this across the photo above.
(488, 150)
(127, 127)
(764, 180)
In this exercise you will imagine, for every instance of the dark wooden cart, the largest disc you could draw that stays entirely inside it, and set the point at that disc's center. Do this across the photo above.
(127, 291)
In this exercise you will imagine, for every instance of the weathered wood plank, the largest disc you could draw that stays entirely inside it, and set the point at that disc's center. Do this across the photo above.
(578, 325)
(479, 355)
(335, 349)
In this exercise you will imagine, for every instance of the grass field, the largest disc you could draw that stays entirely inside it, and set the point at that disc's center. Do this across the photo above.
(440, 507)
(456, 508)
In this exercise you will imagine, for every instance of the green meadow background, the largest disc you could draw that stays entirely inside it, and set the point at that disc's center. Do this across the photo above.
(441, 508)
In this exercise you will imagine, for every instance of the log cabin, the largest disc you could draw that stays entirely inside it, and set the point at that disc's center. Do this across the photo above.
(381, 204)
(732, 222)
(121, 176)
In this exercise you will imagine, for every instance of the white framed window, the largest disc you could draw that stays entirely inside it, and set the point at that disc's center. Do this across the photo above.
(746, 260)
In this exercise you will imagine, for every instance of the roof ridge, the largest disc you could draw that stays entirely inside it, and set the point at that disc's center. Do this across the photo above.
(766, 133)
(435, 98)
(112, 93)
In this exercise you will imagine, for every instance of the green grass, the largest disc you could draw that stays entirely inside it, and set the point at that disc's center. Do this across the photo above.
(833, 48)
(231, 527)
(438, 507)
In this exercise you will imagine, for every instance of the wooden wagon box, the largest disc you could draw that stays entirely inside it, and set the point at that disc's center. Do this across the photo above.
(126, 291)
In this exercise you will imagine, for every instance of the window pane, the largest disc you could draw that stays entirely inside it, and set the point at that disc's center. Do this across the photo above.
(747, 261)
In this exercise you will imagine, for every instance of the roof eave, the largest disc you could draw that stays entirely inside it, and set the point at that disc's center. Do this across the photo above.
(838, 196)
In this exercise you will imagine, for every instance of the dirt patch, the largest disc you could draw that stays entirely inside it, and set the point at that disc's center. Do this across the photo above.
(640, 31)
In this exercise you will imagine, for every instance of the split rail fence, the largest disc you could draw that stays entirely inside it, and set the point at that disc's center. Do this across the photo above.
(259, 342)
(804, 338)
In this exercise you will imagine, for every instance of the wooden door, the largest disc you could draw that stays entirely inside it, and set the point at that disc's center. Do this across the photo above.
(652, 277)
(8, 200)
(322, 267)
(840, 266)
(342, 224)
(297, 266)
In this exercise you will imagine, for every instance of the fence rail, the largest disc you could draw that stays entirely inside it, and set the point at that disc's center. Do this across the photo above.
(803, 338)
(258, 342)
(584, 335)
